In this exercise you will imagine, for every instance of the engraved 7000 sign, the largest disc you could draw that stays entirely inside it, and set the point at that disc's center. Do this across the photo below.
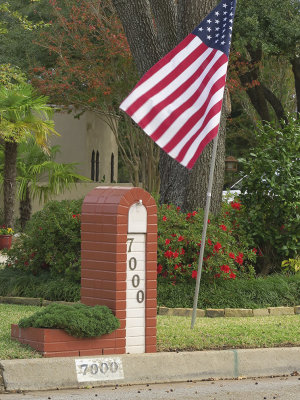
(135, 280)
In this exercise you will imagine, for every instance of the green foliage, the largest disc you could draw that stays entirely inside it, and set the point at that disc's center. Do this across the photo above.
(227, 253)
(291, 265)
(10, 76)
(51, 241)
(19, 283)
(24, 113)
(263, 23)
(271, 192)
(270, 291)
(78, 320)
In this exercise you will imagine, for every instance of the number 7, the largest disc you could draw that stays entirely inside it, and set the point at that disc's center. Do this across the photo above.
(130, 245)
(85, 366)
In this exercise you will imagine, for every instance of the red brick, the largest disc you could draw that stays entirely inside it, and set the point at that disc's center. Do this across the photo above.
(103, 294)
(120, 350)
(109, 351)
(151, 312)
(120, 342)
(150, 331)
(152, 247)
(152, 228)
(151, 303)
(151, 322)
(151, 275)
(14, 330)
(48, 354)
(150, 340)
(151, 349)
(91, 352)
(151, 284)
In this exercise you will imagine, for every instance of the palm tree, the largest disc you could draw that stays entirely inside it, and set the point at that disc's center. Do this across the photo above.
(23, 114)
(39, 176)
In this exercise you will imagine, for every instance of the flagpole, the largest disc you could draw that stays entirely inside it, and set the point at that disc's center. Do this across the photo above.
(205, 221)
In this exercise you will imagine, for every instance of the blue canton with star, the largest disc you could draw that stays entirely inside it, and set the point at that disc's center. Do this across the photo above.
(216, 29)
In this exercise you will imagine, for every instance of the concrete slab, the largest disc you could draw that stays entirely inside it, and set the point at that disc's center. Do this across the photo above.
(42, 374)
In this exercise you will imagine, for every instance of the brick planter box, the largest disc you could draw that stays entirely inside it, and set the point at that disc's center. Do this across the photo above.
(58, 343)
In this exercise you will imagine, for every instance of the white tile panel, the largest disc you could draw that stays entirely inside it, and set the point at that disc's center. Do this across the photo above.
(135, 284)
(135, 349)
(137, 218)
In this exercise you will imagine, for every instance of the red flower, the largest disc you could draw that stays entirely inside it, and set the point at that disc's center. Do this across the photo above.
(194, 274)
(173, 235)
(164, 218)
(217, 246)
(167, 241)
(223, 227)
(194, 213)
(208, 221)
(178, 208)
(239, 258)
(209, 242)
(232, 275)
(168, 254)
(180, 239)
(231, 255)
(175, 254)
(182, 251)
(236, 206)
(188, 216)
(225, 268)
(159, 268)
(176, 266)
(217, 275)
(254, 250)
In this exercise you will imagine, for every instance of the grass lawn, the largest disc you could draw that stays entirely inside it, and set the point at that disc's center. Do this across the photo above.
(11, 314)
(174, 333)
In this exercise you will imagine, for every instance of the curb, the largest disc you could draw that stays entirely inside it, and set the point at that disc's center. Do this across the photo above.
(176, 312)
(229, 312)
(130, 369)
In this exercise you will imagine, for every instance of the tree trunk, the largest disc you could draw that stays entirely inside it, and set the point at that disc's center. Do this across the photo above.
(148, 25)
(25, 209)
(296, 71)
(10, 173)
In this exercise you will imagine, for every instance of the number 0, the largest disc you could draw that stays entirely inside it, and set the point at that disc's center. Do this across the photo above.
(140, 296)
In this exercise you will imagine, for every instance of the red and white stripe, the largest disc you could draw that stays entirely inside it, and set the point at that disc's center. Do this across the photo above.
(178, 101)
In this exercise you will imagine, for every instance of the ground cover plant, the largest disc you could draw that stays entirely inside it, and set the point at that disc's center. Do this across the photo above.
(78, 320)
(174, 333)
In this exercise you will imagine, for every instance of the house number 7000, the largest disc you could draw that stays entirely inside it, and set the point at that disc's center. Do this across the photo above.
(140, 296)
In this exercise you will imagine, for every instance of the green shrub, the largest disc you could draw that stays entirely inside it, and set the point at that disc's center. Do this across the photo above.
(19, 283)
(270, 291)
(51, 241)
(78, 320)
(271, 193)
(227, 253)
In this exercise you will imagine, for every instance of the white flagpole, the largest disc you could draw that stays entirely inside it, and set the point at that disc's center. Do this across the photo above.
(207, 207)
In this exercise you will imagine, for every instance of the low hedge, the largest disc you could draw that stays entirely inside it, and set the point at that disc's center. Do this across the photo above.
(270, 291)
(78, 320)
(15, 282)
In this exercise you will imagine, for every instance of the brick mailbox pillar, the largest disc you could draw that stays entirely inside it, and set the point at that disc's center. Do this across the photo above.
(119, 253)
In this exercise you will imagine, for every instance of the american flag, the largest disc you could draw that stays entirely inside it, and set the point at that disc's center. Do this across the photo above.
(178, 101)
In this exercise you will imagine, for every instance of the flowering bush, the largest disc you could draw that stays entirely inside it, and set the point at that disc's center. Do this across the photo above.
(51, 241)
(4, 230)
(226, 256)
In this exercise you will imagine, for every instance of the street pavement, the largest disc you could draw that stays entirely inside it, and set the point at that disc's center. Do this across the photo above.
(279, 388)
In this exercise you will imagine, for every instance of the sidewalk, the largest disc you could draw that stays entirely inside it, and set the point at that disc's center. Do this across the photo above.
(130, 369)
